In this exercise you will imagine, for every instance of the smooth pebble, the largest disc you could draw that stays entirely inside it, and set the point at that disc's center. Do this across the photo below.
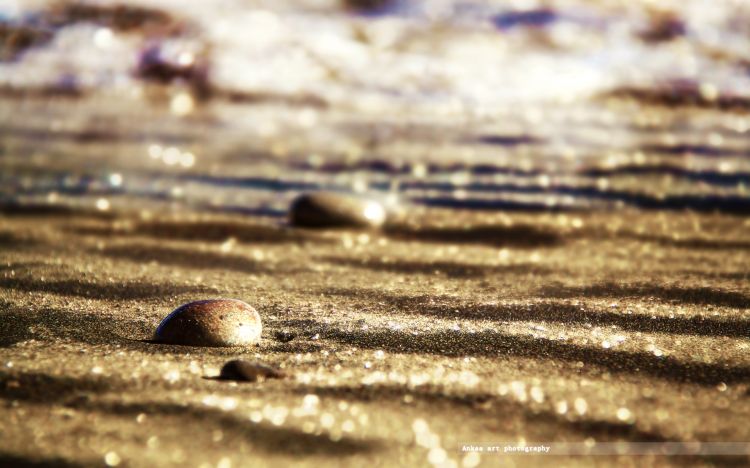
(328, 209)
(284, 336)
(213, 322)
(239, 369)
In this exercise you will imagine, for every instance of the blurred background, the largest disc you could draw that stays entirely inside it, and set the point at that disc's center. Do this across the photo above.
(239, 105)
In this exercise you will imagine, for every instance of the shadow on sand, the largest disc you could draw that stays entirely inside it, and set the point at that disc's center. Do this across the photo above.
(21, 461)
(209, 231)
(19, 324)
(449, 269)
(490, 235)
(99, 290)
(188, 258)
(75, 393)
(491, 343)
(555, 312)
(263, 436)
(670, 293)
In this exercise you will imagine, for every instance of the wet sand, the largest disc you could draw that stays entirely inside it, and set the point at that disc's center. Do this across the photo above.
(483, 328)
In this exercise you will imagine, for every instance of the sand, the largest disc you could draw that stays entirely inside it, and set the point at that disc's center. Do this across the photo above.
(479, 329)
(565, 261)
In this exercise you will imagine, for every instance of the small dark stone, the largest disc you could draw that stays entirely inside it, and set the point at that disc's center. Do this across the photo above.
(247, 371)
(155, 66)
(284, 336)
(664, 27)
(214, 322)
(370, 6)
(329, 209)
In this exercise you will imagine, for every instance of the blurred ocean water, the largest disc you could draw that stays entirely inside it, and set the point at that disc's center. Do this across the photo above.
(239, 105)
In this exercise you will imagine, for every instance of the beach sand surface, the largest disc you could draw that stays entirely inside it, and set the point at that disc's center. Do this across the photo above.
(407, 343)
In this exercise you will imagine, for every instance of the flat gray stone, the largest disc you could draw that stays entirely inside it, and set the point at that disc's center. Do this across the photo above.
(213, 322)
